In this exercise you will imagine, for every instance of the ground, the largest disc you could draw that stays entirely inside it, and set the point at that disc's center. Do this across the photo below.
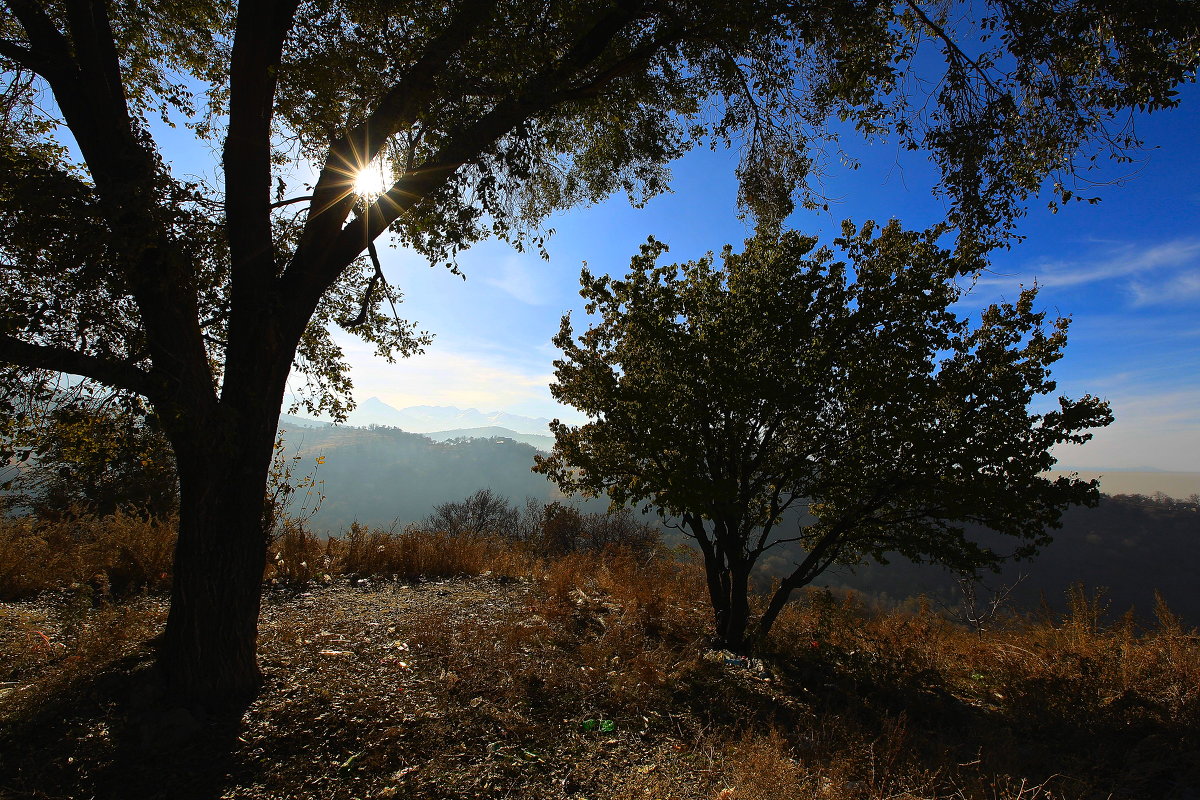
(572, 683)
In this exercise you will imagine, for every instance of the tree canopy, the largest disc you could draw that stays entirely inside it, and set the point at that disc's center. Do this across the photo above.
(486, 115)
(95, 455)
(733, 396)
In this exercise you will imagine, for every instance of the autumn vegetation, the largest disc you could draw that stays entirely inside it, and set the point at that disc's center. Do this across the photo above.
(418, 663)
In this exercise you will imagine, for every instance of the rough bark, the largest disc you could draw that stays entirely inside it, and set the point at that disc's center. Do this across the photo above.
(728, 578)
(733, 633)
(207, 653)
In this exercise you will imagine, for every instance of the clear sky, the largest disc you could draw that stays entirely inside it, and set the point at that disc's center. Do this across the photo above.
(1126, 270)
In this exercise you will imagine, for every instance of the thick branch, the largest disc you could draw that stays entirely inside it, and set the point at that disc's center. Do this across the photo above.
(46, 43)
(21, 56)
(253, 343)
(257, 48)
(61, 359)
(333, 196)
(84, 74)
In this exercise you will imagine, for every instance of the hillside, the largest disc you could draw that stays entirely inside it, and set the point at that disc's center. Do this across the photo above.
(542, 443)
(1127, 548)
(1130, 546)
(379, 476)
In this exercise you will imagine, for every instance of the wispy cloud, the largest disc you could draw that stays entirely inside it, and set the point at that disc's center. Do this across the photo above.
(450, 376)
(1182, 287)
(515, 278)
(1109, 263)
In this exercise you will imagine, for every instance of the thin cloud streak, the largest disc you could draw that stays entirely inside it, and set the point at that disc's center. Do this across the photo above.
(445, 376)
(1180, 288)
(1127, 261)
(517, 281)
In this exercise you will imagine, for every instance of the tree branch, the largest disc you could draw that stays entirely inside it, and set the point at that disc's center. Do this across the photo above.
(639, 57)
(257, 52)
(120, 374)
(952, 45)
(22, 56)
(46, 42)
(333, 195)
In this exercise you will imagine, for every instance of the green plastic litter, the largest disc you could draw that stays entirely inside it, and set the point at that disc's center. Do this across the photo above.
(601, 725)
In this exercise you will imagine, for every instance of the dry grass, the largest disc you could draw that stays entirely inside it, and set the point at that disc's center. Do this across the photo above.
(587, 676)
(118, 555)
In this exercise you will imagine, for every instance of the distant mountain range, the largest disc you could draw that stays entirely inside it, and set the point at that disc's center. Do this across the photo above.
(443, 423)
(440, 423)
(429, 419)
(541, 442)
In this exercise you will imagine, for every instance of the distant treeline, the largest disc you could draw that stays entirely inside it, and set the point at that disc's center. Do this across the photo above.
(379, 475)
(1129, 546)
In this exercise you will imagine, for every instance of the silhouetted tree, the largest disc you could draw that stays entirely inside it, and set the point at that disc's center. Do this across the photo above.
(780, 380)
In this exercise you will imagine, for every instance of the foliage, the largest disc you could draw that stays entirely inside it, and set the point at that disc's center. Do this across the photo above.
(284, 487)
(784, 380)
(97, 455)
(490, 116)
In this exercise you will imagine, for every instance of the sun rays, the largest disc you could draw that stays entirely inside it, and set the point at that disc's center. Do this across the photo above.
(372, 180)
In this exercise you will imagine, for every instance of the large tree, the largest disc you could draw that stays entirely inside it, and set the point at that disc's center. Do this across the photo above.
(490, 115)
(733, 397)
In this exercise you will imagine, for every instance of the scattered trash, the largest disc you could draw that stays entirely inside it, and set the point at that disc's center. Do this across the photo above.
(348, 765)
(395, 662)
(599, 725)
(727, 658)
(512, 752)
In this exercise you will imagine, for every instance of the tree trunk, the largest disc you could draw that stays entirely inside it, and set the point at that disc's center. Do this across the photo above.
(733, 633)
(728, 577)
(778, 601)
(820, 557)
(208, 651)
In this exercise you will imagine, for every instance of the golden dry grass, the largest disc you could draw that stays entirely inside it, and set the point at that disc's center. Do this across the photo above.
(391, 677)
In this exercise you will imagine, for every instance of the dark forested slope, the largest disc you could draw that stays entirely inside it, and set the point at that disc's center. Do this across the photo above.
(380, 475)
(1129, 546)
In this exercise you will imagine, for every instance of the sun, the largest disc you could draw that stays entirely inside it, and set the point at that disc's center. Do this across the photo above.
(370, 180)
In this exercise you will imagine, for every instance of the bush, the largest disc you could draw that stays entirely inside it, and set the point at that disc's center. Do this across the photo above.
(111, 556)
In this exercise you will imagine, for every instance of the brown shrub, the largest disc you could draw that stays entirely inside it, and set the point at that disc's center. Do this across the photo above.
(413, 553)
(112, 556)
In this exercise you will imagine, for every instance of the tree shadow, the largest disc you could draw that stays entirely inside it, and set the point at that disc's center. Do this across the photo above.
(117, 734)
(1083, 749)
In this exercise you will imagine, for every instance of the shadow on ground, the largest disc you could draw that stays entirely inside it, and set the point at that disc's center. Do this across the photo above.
(115, 735)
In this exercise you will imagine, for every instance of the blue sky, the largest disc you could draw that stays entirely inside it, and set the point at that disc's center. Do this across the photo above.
(1126, 270)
